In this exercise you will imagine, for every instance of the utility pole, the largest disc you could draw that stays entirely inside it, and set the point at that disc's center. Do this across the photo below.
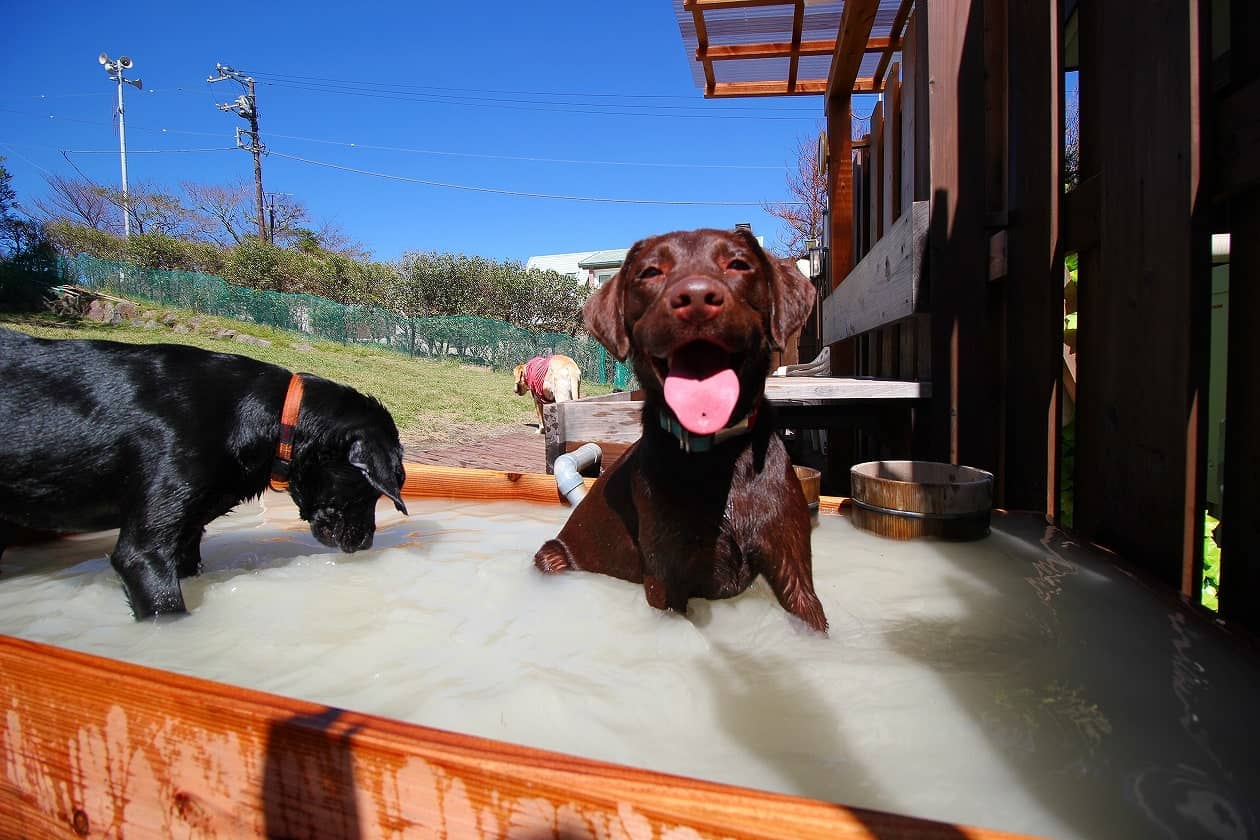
(115, 70)
(246, 108)
(271, 213)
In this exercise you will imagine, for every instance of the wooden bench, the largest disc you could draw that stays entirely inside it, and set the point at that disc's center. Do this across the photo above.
(808, 402)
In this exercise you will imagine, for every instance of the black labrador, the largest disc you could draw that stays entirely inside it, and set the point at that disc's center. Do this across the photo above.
(159, 440)
(707, 498)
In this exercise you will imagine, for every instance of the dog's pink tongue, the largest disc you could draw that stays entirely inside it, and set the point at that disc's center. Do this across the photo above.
(701, 388)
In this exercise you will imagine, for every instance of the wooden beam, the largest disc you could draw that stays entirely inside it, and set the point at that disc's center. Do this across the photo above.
(798, 21)
(914, 127)
(1144, 303)
(1080, 215)
(898, 26)
(786, 49)
(892, 148)
(733, 4)
(886, 286)
(1240, 560)
(702, 45)
(808, 87)
(1033, 288)
(961, 423)
(770, 49)
(855, 31)
(839, 237)
(875, 187)
(1238, 142)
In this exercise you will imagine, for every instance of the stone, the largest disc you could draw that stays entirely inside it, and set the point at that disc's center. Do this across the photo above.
(101, 311)
(250, 339)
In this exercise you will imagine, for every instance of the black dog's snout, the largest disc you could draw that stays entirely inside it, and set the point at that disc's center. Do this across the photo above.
(697, 299)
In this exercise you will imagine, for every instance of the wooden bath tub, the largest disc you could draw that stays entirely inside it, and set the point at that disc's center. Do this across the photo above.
(95, 747)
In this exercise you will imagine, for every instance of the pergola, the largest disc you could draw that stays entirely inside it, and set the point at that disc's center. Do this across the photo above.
(791, 47)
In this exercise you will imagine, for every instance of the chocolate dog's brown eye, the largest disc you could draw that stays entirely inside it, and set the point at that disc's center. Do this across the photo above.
(738, 265)
(650, 272)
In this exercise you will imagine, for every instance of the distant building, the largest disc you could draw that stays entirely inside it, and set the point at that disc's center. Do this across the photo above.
(594, 268)
(590, 268)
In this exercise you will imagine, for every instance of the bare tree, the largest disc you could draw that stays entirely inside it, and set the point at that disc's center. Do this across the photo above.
(78, 200)
(153, 211)
(332, 238)
(285, 215)
(807, 188)
(1072, 144)
(224, 210)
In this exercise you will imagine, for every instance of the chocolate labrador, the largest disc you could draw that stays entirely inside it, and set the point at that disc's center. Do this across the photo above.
(158, 440)
(706, 499)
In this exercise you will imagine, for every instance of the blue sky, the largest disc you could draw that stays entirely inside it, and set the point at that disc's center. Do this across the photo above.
(583, 99)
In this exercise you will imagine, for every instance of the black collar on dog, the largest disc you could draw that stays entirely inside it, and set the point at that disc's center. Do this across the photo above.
(288, 423)
(703, 443)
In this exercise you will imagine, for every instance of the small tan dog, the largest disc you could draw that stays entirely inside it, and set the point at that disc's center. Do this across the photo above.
(551, 379)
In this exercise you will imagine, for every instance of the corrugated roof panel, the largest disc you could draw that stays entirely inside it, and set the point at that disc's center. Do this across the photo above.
(773, 25)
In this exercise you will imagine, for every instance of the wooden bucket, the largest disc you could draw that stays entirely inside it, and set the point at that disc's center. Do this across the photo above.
(908, 499)
(811, 483)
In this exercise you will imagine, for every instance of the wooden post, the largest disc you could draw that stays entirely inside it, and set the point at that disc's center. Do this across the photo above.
(1034, 281)
(961, 424)
(892, 149)
(875, 176)
(1144, 302)
(1240, 560)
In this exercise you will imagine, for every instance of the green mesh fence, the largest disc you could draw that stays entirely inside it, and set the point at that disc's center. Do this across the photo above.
(472, 339)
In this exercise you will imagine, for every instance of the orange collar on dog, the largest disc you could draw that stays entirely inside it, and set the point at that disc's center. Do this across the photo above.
(288, 423)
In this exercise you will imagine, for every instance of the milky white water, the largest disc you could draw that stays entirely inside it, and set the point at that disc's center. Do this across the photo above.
(1017, 682)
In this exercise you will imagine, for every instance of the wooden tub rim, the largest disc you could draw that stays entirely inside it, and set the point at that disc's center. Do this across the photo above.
(981, 477)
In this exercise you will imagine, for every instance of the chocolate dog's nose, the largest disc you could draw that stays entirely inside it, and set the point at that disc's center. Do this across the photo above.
(697, 299)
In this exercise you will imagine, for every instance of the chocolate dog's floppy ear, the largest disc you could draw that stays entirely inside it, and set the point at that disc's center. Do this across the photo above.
(791, 294)
(793, 299)
(379, 470)
(603, 314)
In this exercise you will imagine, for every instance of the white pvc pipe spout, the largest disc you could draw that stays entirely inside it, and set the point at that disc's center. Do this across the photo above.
(568, 471)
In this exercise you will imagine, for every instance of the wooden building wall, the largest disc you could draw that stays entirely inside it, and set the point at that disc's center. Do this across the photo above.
(1166, 159)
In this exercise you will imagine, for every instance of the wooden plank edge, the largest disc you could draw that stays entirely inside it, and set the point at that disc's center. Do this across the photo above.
(429, 481)
(95, 746)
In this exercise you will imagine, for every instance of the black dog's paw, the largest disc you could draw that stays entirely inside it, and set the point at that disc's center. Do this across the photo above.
(553, 557)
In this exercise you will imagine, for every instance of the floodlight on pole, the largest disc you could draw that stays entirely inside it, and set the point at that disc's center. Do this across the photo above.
(115, 70)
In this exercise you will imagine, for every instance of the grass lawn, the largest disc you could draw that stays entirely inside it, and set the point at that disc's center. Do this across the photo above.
(431, 401)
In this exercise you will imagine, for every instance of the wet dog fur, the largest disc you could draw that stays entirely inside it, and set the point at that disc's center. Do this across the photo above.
(159, 440)
(698, 523)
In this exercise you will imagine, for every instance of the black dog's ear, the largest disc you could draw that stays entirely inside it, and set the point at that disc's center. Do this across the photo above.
(380, 470)
(603, 313)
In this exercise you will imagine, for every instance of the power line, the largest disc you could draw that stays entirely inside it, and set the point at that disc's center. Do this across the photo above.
(440, 152)
(590, 110)
(433, 90)
(146, 151)
(485, 156)
(517, 193)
